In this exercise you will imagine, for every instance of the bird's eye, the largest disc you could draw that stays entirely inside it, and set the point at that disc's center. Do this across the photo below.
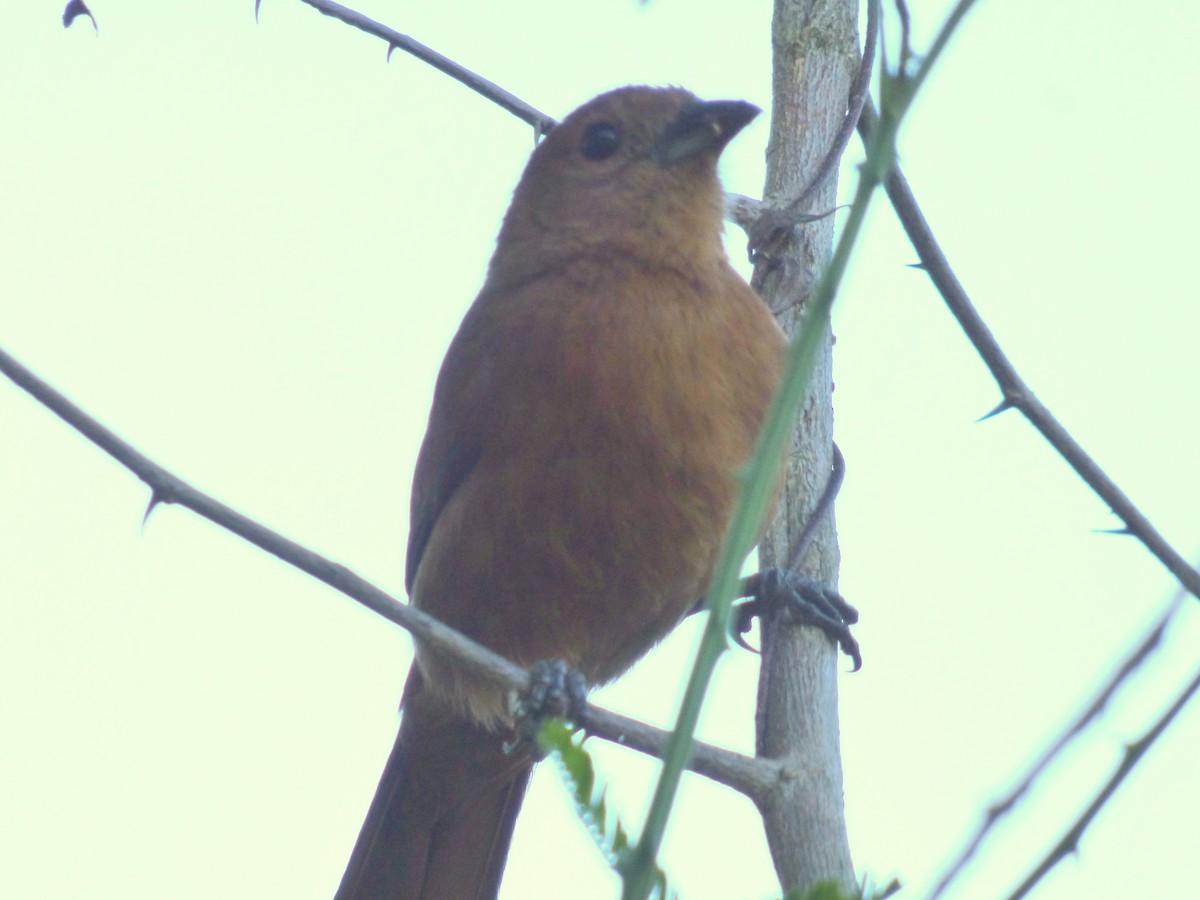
(600, 141)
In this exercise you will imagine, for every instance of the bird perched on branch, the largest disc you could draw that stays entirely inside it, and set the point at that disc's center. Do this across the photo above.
(579, 469)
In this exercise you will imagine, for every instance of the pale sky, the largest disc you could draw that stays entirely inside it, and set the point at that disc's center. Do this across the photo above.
(245, 248)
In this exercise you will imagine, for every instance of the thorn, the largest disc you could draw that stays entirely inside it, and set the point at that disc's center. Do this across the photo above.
(1123, 530)
(155, 499)
(257, 4)
(1000, 407)
(917, 265)
(391, 47)
(806, 218)
(73, 10)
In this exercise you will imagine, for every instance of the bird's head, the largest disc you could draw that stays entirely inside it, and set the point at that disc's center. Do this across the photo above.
(632, 167)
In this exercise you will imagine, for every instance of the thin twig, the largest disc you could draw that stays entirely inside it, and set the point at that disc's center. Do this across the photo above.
(1132, 662)
(742, 211)
(833, 486)
(541, 122)
(1017, 394)
(905, 36)
(753, 777)
(1133, 755)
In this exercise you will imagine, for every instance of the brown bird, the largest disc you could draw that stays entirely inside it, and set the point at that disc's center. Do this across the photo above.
(579, 469)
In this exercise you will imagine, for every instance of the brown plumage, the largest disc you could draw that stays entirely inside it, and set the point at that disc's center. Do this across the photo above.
(580, 464)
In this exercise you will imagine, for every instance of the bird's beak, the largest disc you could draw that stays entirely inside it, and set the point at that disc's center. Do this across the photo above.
(703, 126)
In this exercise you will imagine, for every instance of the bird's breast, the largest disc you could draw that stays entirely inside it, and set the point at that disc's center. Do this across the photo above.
(590, 525)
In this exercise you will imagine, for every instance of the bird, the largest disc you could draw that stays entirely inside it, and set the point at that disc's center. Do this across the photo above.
(580, 464)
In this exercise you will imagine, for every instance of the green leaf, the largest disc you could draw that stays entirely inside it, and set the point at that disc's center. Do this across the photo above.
(575, 765)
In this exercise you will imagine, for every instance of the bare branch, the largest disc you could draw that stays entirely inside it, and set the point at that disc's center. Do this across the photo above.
(1133, 755)
(824, 504)
(756, 777)
(1134, 661)
(1017, 394)
(742, 211)
(541, 122)
(753, 777)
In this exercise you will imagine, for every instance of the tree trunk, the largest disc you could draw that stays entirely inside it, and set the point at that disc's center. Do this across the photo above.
(815, 44)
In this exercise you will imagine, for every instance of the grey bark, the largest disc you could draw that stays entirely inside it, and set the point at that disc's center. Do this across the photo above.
(815, 45)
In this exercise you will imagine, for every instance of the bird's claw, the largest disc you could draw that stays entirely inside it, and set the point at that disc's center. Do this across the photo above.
(807, 601)
(554, 691)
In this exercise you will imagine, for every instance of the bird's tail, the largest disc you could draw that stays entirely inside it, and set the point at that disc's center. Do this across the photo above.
(443, 815)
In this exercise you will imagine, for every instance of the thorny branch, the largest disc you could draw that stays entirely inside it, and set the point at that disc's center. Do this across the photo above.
(1017, 394)
(753, 777)
(1142, 651)
(1133, 755)
(541, 122)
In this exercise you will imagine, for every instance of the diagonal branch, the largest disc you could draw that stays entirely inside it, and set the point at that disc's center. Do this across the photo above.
(1134, 661)
(541, 122)
(1017, 394)
(754, 777)
(1133, 755)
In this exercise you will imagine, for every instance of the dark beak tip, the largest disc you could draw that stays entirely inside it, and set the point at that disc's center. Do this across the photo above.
(741, 113)
(705, 125)
(731, 116)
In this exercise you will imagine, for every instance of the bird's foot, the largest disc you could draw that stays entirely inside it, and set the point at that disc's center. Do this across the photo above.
(807, 601)
(554, 691)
